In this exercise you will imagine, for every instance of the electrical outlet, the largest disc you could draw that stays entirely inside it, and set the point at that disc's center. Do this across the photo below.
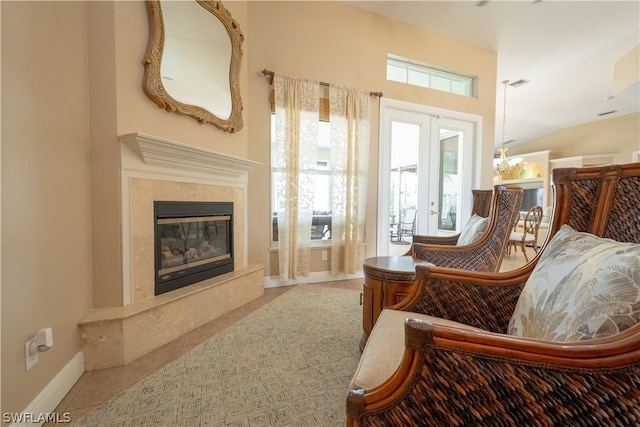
(31, 359)
(324, 255)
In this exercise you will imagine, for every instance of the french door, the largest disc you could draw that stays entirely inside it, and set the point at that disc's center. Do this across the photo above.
(426, 167)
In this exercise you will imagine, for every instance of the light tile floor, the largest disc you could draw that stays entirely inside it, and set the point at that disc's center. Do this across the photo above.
(515, 259)
(96, 387)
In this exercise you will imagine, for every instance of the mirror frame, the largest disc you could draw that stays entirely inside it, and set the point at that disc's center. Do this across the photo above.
(154, 88)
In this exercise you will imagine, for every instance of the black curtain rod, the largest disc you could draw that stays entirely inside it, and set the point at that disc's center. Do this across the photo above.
(271, 73)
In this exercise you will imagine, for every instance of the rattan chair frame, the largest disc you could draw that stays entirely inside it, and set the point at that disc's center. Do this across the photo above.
(481, 207)
(486, 253)
(450, 376)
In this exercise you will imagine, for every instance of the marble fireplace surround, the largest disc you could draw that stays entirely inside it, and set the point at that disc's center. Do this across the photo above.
(159, 169)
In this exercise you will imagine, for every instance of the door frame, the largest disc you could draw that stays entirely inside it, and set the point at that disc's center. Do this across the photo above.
(389, 107)
(430, 227)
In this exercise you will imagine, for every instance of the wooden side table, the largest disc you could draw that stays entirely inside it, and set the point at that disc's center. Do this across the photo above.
(387, 281)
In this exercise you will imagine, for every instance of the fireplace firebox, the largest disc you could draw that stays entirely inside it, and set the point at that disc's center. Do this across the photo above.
(193, 242)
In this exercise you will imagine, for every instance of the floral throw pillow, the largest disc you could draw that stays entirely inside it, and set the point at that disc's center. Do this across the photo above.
(583, 287)
(473, 230)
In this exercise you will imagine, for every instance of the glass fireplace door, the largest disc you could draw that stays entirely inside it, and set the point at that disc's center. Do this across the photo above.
(193, 242)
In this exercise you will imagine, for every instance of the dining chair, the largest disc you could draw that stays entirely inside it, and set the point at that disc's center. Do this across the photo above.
(529, 233)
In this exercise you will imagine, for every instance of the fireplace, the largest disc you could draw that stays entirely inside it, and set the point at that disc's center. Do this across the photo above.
(193, 242)
(129, 320)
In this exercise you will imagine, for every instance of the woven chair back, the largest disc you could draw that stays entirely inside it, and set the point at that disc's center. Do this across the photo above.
(481, 202)
(486, 253)
(603, 201)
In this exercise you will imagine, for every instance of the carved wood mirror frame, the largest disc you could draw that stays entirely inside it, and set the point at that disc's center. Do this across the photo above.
(154, 87)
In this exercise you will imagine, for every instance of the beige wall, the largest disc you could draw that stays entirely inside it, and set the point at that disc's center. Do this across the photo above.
(618, 135)
(336, 43)
(75, 72)
(46, 216)
(626, 71)
(104, 154)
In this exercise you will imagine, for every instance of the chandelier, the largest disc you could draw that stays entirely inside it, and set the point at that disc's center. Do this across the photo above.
(503, 165)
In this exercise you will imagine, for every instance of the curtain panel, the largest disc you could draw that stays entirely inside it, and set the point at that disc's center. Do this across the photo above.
(295, 151)
(294, 162)
(350, 112)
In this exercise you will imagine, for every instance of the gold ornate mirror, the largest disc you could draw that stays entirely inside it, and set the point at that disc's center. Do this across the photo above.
(192, 64)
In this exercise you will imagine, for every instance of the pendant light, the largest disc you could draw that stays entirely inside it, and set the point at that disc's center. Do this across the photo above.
(503, 165)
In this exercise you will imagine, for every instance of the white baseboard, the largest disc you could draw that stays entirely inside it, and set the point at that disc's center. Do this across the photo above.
(322, 276)
(51, 396)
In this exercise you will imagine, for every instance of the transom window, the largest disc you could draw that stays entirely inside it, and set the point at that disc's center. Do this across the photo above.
(412, 72)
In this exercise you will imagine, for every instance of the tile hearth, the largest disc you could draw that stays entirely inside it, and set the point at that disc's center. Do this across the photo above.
(115, 336)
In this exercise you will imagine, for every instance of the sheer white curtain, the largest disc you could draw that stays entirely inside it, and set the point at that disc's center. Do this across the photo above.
(296, 117)
(350, 112)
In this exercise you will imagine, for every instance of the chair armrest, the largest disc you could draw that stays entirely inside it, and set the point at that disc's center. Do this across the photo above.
(433, 240)
(479, 299)
(437, 240)
(475, 257)
(479, 378)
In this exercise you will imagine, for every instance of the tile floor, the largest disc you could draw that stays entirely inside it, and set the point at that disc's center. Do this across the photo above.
(96, 387)
(516, 259)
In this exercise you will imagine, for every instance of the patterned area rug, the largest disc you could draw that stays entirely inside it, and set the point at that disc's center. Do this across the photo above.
(287, 364)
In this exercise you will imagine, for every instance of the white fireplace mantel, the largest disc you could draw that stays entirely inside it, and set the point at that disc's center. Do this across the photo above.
(155, 151)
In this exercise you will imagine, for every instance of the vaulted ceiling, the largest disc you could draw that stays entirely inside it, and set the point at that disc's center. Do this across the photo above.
(565, 49)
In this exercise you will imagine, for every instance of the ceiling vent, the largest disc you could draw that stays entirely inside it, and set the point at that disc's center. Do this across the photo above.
(519, 83)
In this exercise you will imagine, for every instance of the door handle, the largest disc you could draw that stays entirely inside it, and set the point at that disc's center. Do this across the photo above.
(432, 212)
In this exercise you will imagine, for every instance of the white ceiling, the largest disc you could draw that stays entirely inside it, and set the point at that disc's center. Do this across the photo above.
(566, 49)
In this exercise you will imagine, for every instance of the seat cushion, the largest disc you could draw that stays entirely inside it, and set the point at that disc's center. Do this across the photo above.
(517, 236)
(583, 287)
(473, 230)
(385, 346)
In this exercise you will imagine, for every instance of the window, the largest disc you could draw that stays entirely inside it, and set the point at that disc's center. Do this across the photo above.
(322, 205)
(412, 72)
(300, 143)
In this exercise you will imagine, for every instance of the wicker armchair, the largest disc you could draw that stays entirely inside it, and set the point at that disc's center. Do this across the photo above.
(481, 207)
(487, 252)
(457, 366)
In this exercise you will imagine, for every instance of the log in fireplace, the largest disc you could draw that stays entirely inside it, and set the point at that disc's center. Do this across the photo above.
(193, 242)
